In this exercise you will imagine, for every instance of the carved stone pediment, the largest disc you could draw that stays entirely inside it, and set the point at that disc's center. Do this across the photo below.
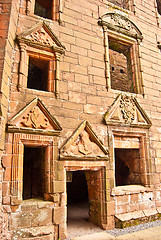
(41, 35)
(120, 23)
(84, 144)
(127, 111)
(34, 118)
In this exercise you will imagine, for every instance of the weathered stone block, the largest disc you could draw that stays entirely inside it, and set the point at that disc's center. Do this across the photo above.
(59, 215)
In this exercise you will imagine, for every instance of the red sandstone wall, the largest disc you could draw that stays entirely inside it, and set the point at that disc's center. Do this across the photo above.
(8, 22)
(83, 94)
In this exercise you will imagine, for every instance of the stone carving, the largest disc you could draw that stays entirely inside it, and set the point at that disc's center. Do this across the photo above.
(35, 119)
(127, 106)
(120, 23)
(83, 146)
(40, 36)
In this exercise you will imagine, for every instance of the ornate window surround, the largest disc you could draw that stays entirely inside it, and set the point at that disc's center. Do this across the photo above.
(19, 141)
(118, 26)
(35, 43)
(33, 126)
(126, 119)
(142, 135)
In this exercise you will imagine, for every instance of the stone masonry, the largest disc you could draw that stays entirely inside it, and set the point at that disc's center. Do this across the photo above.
(80, 90)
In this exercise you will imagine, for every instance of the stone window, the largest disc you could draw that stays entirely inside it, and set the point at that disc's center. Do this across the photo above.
(34, 172)
(128, 132)
(130, 159)
(158, 6)
(127, 166)
(40, 52)
(43, 8)
(35, 157)
(38, 73)
(49, 9)
(122, 38)
(121, 68)
(34, 133)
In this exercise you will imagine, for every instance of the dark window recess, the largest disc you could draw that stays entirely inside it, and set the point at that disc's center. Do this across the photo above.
(34, 172)
(120, 66)
(159, 6)
(38, 74)
(127, 167)
(43, 8)
(121, 3)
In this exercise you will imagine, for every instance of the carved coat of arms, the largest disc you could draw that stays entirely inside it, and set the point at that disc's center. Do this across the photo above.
(127, 108)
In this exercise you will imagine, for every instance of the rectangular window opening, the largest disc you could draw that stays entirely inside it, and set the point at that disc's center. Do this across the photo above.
(43, 8)
(121, 66)
(38, 74)
(127, 167)
(34, 172)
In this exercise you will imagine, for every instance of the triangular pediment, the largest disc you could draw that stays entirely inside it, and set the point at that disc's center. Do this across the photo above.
(119, 22)
(84, 144)
(35, 117)
(126, 110)
(41, 35)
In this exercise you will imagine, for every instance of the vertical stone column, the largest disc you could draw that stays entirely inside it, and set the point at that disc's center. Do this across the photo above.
(51, 75)
(57, 74)
(22, 66)
(17, 170)
(140, 68)
(106, 58)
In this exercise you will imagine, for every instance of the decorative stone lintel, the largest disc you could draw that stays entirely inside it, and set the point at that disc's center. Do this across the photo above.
(84, 158)
(129, 189)
(120, 23)
(13, 129)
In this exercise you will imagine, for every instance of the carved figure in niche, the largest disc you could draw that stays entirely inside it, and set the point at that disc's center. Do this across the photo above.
(127, 108)
(35, 119)
(83, 145)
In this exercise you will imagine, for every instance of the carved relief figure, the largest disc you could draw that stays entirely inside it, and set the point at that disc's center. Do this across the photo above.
(83, 145)
(35, 119)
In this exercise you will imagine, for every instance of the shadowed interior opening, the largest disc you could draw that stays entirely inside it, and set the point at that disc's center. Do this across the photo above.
(127, 166)
(34, 172)
(38, 74)
(43, 8)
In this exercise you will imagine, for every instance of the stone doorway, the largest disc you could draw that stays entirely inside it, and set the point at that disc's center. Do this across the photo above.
(77, 201)
(84, 201)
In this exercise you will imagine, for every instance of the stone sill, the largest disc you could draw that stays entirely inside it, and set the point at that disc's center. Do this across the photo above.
(129, 189)
(137, 217)
(34, 232)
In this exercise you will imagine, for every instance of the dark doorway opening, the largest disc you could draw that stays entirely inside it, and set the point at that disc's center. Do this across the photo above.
(77, 191)
(77, 200)
(33, 172)
(127, 166)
